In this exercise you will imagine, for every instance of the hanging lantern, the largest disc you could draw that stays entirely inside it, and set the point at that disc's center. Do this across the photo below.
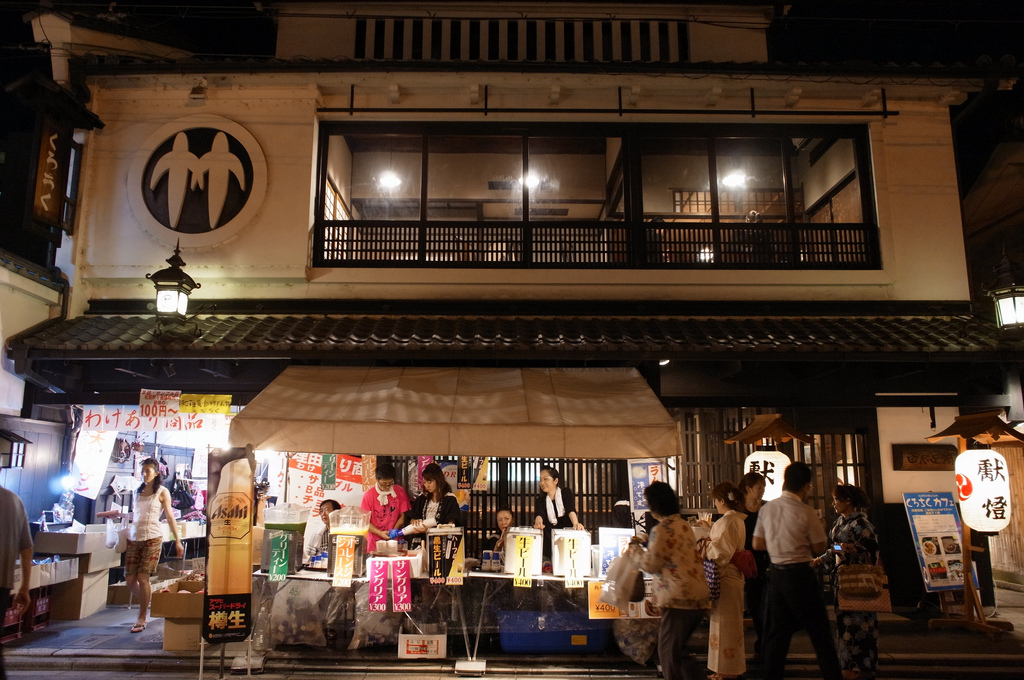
(983, 488)
(771, 465)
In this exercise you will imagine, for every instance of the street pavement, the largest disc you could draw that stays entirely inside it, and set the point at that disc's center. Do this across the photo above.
(100, 647)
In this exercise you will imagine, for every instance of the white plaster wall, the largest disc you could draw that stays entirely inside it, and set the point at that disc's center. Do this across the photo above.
(911, 426)
(911, 154)
(23, 304)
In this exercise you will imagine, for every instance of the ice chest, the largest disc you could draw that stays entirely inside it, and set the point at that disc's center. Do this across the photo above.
(565, 632)
(562, 556)
(538, 549)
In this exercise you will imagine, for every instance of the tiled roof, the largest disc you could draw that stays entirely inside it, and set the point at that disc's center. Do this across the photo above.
(581, 337)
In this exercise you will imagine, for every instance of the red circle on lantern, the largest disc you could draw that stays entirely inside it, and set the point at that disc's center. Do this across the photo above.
(964, 487)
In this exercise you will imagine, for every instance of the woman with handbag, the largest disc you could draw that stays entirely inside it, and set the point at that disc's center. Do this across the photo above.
(854, 541)
(726, 649)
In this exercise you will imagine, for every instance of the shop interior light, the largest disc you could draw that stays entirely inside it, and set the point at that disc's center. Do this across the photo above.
(771, 465)
(664, 362)
(173, 287)
(390, 180)
(734, 179)
(532, 181)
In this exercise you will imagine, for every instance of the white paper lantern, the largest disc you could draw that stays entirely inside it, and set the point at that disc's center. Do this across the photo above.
(771, 465)
(983, 487)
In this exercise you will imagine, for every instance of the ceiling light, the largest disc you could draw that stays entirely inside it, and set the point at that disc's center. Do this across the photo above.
(389, 180)
(736, 179)
(532, 181)
(664, 362)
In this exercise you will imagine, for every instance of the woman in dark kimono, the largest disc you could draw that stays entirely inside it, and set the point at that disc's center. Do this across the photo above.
(858, 544)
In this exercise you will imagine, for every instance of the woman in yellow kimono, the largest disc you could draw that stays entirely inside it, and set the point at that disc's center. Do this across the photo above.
(726, 651)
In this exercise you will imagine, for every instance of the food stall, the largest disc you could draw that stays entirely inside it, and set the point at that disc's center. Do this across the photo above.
(550, 413)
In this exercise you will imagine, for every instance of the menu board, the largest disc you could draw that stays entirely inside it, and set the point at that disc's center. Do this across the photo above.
(935, 525)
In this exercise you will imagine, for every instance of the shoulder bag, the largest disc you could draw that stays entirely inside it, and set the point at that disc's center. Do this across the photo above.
(860, 580)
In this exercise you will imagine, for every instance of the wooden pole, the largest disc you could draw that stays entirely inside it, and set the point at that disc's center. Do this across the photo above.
(973, 616)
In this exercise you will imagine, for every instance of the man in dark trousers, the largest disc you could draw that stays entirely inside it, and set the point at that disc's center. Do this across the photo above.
(792, 533)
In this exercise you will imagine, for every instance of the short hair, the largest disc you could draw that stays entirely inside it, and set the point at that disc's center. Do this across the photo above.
(854, 495)
(797, 476)
(331, 503)
(750, 480)
(385, 471)
(553, 472)
(730, 494)
(662, 499)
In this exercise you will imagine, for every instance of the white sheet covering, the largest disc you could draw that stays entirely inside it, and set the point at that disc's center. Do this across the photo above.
(551, 413)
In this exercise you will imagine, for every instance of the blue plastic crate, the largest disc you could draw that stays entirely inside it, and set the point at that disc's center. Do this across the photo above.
(552, 632)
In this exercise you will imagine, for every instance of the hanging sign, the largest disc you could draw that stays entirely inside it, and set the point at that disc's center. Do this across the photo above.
(329, 472)
(642, 472)
(103, 418)
(983, 489)
(401, 586)
(51, 173)
(205, 403)
(522, 562)
(435, 558)
(279, 556)
(481, 475)
(344, 561)
(465, 473)
(305, 486)
(377, 595)
(771, 465)
(227, 604)
(92, 453)
(935, 526)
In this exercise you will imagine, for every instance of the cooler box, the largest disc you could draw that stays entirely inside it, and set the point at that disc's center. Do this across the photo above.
(560, 558)
(538, 549)
(569, 632)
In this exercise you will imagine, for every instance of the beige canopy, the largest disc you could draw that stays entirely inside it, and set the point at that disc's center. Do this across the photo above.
(544, 412)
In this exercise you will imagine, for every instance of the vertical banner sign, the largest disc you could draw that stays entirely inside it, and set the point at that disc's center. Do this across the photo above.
(51, 173)
(573, 579)
(465, 472)
(344, 561)
(935, 526)
(401, 589)
(227, 604)
(328, 472)
(642, 472)
(279, 555)
(435, 559)
(481, 476)
(378, 593)
(522, 562)
(454, 558)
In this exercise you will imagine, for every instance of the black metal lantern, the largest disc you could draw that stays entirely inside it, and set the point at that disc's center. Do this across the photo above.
(173, 286)
(1008, 296)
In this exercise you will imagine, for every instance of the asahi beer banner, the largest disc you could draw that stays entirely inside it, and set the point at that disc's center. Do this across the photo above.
(101, 418)
(305, 480)
(227, 604)
(92, 453)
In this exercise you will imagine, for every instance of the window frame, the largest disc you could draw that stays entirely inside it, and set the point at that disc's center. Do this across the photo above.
(787, 245)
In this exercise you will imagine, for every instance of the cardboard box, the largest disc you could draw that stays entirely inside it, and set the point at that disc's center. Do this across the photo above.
(431, 643)
(35, 577)
(79, 597)
(71, 544)
(191, 586)
(179, 603)
(118, 594)
(101, 559)
(182, 635)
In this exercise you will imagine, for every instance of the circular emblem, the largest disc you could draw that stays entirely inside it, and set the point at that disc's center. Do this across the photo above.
(200, 179)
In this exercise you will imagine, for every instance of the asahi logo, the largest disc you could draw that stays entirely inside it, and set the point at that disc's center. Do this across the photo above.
(197, 180)
(229, 515)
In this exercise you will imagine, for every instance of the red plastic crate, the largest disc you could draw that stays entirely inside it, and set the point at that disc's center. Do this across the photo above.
(10, 633)
(11, 617)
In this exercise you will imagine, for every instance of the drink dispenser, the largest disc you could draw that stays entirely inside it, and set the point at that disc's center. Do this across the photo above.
(349, 521)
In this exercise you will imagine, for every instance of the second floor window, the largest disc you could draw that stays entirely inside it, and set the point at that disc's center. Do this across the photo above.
(601, 196)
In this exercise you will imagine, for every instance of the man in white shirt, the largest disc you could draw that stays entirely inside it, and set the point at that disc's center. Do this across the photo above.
(792, 533)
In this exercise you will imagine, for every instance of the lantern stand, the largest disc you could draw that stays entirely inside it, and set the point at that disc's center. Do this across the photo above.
(761, 429)
(984, 428)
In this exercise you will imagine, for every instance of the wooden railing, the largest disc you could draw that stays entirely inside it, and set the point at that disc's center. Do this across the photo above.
(597, 245)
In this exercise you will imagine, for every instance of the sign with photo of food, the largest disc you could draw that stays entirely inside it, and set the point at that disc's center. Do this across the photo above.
(935, 524)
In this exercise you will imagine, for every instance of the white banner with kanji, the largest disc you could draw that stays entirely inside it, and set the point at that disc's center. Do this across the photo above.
(91, 456)
(304, 485)
(160, 418)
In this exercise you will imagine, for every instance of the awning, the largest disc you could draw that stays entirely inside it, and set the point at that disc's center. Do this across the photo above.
(548, 413)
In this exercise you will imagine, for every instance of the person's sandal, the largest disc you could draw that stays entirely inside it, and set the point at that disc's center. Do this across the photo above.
(138, 627)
